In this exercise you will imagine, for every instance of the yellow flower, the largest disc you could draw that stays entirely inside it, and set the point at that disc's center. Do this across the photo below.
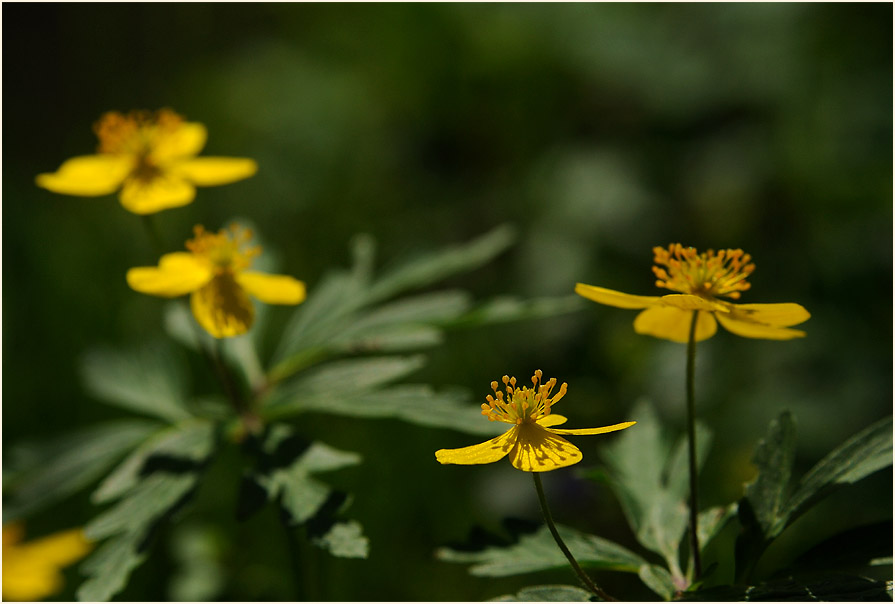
(151, 158)
(700, 279)
(532, 443)
(214, 272)
(32, 570)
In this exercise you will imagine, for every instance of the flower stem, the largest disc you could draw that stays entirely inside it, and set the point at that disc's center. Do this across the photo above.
(548, 518)
(691, 438)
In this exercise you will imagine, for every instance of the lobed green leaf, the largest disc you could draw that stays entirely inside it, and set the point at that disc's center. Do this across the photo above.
(538, 551)
(548, 593)
(42, 473)
(148, 380)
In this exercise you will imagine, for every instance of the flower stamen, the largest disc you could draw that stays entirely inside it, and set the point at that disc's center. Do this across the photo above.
(225, 250)
(708, 274)
(522, 405)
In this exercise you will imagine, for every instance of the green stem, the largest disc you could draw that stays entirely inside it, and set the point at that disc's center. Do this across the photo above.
(691, 438)
(548, 518)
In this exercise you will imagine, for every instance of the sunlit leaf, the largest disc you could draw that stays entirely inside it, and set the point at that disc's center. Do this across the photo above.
(417, 404)
(190, 441)
(345, 540)
(548, 593)
(538, 551)
(41, 473)
(505, 309)
(148, 380)
(298, 491)
(442, 264)
(650, 479)
(339, 378)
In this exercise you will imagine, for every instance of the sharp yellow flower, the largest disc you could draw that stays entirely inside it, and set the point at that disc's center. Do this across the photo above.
(214, 273)
(150, 158)
(700, 279)
(32, 570)
(532, 443)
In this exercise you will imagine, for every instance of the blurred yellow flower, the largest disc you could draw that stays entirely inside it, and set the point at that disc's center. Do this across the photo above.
(700, 279)
(214, 272)
(532, 443)
(151, 158)
(32, 570)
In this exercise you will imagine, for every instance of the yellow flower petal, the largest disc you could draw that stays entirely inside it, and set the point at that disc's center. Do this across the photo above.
(177, 274)
(222, 307)
(59, 548)
(603, 430)
(778, 315)
(750, 329)
(691, 302)
(272, 289)
(670, 323)
(537, 450)
(162, 192)
(186, 140)
(551, 420)
(486, 452)
(88, 175)
(613, 298)
(211, 171)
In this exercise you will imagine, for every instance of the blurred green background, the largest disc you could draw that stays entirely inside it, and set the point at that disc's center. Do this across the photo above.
(597, 130)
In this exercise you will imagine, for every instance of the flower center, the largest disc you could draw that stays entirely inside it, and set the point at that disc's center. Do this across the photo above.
(522, 405)
(708, 274)
(225, 250)
(135, 133)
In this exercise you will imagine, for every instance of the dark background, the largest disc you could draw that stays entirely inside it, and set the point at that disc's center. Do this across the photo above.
(599, 131)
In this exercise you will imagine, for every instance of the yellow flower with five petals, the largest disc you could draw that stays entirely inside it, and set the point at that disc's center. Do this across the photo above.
(151, 158)
(214, 273)
(700, 279)
(33, 570)
(532, 442)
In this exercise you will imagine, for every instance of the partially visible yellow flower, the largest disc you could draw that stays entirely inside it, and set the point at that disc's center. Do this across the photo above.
(32, 570)
(700, 279)
(532, 443)
(151, 158)
(214, 273)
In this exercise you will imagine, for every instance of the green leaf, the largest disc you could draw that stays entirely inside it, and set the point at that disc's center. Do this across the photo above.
(712, 520)
(548, 593)
(321, 316)
(417, 404)
(774, 458)
(505, 309)
(651, 479)
(42, 473)
(337, 379)
(658, 579)
(145, 503)
(345, 540)
(191, 441)
(439, 265)
(863, 454)
(538, 551)
(109, 567)
(300, 494)
(148, 380)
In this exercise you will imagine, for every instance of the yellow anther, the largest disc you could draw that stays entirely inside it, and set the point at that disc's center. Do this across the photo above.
(708, 274)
